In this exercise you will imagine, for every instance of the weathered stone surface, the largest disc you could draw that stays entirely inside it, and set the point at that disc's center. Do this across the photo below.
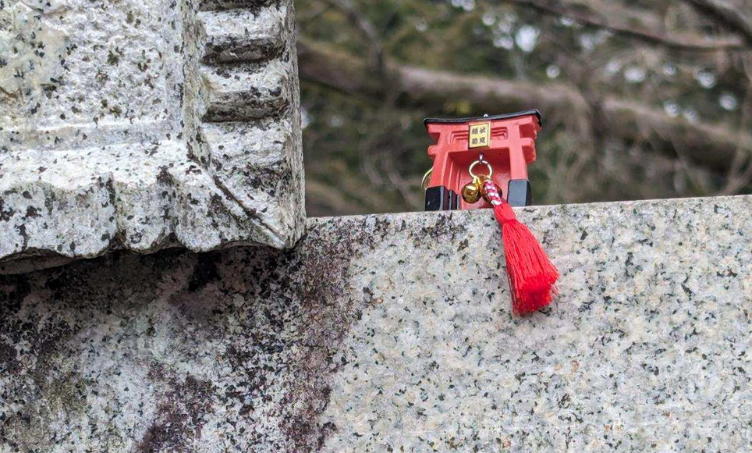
(245, 35)
(248, 91)
(23, 33)
(394, 333)
(104, 113)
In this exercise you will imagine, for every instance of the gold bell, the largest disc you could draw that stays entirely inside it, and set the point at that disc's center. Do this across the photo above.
(471, 191)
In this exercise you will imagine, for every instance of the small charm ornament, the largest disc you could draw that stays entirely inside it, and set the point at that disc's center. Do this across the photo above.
(506, 140)
(505, 143)
(532, 277)
(471, 191)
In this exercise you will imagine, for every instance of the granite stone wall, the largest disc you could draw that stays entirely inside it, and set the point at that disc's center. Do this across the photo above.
(394, 333)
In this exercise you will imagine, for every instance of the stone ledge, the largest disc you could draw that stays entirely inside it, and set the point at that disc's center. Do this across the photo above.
(250, 92)
(395, 331)
(85, 203)
(245, 35)
(221, 5)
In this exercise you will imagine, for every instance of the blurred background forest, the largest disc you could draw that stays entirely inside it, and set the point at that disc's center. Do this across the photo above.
(640, 99)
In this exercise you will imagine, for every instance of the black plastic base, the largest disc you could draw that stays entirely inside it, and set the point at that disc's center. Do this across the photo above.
(441, 199)
(519, 193)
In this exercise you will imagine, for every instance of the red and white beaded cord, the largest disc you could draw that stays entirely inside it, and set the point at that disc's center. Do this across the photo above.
(532, 276)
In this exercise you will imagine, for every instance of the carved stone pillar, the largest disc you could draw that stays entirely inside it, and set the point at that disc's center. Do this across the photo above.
(145, 124)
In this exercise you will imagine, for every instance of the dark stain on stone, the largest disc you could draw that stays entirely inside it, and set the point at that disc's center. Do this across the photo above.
(204, 272)
(13, 290)
(444, 229)
(42, 341)
(328, 311)
(295, 308)
(180, 417)
(8, 360)
(5, 214)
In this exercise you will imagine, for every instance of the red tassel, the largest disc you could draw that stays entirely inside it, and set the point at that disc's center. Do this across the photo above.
(532, 276)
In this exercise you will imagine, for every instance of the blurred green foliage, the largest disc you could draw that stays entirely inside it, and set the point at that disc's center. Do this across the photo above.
(366, 154)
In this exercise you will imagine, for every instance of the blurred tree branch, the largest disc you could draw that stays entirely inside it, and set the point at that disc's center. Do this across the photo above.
(712, 146)
(725, 15)
(740, 172)
(366, 28)
(617, 25)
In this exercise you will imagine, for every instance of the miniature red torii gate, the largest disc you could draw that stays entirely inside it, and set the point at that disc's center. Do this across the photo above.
(507, 143)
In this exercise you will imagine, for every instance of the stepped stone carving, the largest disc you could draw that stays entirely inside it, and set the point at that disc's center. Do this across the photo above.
(147, 124)
(394, 333)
